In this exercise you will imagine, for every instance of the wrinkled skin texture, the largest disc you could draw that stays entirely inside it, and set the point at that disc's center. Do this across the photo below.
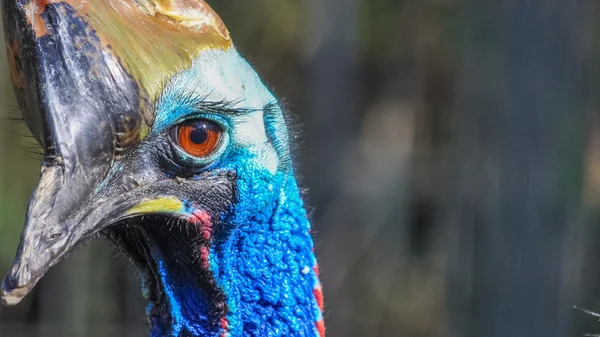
(222, 241)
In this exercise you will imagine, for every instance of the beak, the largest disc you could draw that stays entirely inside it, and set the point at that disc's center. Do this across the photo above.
(83, 109)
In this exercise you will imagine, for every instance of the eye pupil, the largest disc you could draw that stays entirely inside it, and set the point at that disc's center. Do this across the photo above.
(199, 134)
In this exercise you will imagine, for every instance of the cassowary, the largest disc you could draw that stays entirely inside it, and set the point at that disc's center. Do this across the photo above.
(158, 135)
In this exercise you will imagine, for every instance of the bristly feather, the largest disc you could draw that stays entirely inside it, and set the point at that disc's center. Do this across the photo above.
(295, 143)
(202, 103)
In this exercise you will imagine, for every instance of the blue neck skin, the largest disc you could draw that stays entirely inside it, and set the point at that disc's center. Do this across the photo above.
(261, 259)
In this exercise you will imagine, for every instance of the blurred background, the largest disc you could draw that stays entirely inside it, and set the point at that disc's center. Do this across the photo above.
(451, 151)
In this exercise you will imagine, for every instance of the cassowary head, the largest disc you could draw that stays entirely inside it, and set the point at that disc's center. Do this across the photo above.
(159, 136)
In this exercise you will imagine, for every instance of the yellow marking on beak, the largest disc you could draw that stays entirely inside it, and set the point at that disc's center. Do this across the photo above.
(169, 205)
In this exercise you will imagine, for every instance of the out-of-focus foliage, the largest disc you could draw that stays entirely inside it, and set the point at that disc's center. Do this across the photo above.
(18, 167)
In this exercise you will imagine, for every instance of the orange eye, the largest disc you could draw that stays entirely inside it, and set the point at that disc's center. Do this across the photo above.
(199, 138)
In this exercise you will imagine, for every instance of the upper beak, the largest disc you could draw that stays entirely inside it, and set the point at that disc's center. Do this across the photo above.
(83, 108)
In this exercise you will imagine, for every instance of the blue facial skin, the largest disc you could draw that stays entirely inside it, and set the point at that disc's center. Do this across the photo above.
(261, 256)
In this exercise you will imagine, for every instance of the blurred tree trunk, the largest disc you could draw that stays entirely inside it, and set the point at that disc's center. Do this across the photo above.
(332, 37)
(519, 153)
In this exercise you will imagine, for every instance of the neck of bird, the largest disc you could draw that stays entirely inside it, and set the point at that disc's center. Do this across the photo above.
(260, 275)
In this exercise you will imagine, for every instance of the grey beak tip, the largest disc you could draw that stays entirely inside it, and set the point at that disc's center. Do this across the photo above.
(12, 296)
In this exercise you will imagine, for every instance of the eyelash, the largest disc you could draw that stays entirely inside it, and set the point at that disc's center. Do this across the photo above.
(224, 123)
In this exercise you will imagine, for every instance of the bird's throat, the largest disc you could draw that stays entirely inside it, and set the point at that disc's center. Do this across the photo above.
(184, 299)
(251, 273)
